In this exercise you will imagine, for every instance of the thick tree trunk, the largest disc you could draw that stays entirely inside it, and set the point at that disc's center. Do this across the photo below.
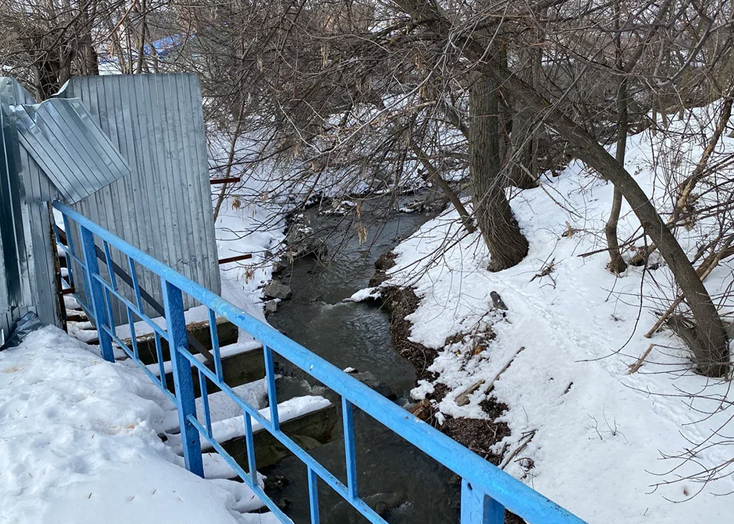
(506, 243)
(522, 160)
(711, 353)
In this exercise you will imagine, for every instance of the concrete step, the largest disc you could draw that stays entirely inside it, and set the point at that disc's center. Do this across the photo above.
(226, 332)
(308, 431)
(241, 364)
(310, 421)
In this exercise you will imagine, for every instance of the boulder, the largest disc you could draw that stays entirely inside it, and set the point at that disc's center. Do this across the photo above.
(369, 380)
(277, 290)
(271, 306)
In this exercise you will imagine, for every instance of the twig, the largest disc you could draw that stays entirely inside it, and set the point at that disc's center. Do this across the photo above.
(704, 270)
(463, 399)
(522, 445)
(637, 365)
(498, 375)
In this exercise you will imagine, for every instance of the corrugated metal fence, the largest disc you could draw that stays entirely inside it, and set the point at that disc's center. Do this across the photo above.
(164, 206)
(162, 203)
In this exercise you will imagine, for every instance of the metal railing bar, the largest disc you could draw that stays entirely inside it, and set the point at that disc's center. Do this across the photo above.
(135, 286)
(108, 307)
(215, 344)
(505, 489)
(108, 263)
(478, 507)
(246, 478)
(272, 394)
(205, 403)
(250, 442)
(182, 377)
(96, 292)
(349, 450)
(133, 336)
(161, 363)
(141, 293)
(313, 496)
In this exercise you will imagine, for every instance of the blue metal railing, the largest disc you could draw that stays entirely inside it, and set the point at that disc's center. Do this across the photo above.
(486, 490)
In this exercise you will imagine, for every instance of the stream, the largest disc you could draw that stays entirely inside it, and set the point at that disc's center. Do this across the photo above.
(396, 479)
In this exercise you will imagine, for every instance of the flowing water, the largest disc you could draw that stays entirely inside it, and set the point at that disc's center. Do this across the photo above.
(396, 479)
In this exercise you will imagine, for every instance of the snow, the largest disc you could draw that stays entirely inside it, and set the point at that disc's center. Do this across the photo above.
(234, 427)
(224, 352)
(80, 444)
(368, 293)
(601, 435)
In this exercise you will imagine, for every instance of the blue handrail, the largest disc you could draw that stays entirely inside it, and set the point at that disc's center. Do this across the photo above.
(486, 489)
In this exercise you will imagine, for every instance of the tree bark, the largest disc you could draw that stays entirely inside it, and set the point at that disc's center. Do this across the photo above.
(506, 243)
(686, 188)
(711, 354)
(449, 193)
(522, 168)
(617, 264)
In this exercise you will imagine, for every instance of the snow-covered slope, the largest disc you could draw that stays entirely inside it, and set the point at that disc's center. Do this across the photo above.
(600, 433)
(79, 444)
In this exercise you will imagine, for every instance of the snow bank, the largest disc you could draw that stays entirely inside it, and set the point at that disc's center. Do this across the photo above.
(80, 444)
(600, 433)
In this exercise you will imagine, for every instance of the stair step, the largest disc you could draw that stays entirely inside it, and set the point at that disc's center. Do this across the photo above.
(242, 363)
(226, 332)
(309, 421)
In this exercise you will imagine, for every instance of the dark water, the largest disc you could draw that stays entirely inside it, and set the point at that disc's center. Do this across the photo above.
(395, 478)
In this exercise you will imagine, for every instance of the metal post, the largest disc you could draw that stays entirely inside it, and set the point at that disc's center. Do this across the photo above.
(313, 496)
(272, 394)
(184, 384)
(350, 448)
(97, 294)
(478, 508)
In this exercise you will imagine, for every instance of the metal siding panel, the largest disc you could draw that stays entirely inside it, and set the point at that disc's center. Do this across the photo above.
(164, 205)
(39, 191)
(141, 129)
(204, 200)
(63, 138)
(47, 305)
(4, 299)
(182, 209)
(150, 124)
(188, 158)
(38, 282)
(167, 174)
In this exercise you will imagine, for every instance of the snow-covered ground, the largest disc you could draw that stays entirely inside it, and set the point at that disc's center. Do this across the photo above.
(81, 438)
(80, 444)
(599, 433)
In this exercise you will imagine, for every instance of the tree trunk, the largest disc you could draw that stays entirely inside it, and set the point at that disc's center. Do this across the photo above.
(617, 264)
(506, 243)
(711, 354)
(523, 151)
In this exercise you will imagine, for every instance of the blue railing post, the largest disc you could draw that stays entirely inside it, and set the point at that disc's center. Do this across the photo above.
(182, 380)
(96, 292)
(478, 508)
